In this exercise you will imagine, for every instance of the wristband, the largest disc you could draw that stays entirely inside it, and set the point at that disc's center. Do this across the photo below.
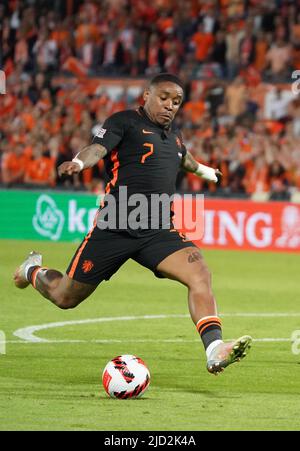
(206, 173)
(78, 161)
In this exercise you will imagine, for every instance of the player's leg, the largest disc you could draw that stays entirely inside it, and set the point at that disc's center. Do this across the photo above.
(170, 255)
(60, 289)
(98, 257)
(188, 267)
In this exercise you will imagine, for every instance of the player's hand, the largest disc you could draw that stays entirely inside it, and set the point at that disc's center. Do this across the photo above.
(68, 168)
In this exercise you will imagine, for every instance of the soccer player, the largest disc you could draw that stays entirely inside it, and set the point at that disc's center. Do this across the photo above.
(143, 152)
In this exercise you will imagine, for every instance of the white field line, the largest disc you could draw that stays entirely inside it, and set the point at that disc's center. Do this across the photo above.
(111, 341)
(27, 334)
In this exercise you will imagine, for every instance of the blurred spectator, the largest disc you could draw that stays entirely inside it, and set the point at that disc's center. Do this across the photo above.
(45, 50)
(260, 51)
(294, 113)
(236, 96)
(39, 170)
(277, 104)
(219, 51)
(13, 165)
(278, 182)
(201, 43)
(278, 60)
(233, 43)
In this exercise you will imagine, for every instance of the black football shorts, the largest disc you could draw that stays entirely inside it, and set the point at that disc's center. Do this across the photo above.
(103, 252)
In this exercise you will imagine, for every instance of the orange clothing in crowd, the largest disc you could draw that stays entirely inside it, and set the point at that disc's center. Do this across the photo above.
(296, 179)
(54, 126)
(27, 152)
(7, 104)
(203, 43)
(296, 31)
(296, 58)
(261, 49)
(40, 170)
(28, 120)
(194, 110)
(75, 66)
(44, 104)
(86, 32)
(97, 103)
(13, 165)
(245, 145)
(256, 180)
(273, 126)
(60, 36)
(164, 24)
(78, 108)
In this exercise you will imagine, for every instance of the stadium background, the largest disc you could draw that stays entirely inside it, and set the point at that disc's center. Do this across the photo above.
(70, 64)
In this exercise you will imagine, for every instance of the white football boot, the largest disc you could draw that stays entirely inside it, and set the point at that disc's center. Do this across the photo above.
(20, 276)
(226, 353)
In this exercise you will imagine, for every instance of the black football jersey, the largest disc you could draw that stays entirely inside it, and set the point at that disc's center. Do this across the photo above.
(142, 155)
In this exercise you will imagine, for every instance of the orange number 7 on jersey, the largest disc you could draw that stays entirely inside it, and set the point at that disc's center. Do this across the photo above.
(148, 153)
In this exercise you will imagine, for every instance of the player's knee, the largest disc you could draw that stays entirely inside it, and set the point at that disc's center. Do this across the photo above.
(66, 302)
(200, 280)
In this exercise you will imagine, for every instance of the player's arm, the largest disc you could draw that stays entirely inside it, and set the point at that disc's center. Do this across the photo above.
(189, 164)
(107, 139)
(86, 158)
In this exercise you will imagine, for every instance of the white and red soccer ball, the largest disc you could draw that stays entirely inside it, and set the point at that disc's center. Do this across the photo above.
(126, 376)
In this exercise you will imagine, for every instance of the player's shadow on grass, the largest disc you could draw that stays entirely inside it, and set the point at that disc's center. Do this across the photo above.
(213, 394)
(142, 399)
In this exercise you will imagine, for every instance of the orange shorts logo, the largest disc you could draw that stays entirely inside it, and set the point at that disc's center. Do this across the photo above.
(87, 265)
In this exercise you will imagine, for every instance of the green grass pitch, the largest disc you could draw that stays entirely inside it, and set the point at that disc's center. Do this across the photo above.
(56, 385)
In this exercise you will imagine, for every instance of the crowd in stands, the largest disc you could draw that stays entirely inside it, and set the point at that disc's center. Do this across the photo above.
(234, 47)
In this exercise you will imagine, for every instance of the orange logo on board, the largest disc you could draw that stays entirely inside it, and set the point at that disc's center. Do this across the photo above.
(87, 265)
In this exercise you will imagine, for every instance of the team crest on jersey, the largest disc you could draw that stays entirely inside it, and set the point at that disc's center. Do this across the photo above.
(101, 133)
(87, 266)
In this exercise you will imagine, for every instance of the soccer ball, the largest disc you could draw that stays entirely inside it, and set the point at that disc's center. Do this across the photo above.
(126, 376)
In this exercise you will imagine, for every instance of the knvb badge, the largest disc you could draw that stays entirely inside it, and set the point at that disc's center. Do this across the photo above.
(2, 342)
(2, 82)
